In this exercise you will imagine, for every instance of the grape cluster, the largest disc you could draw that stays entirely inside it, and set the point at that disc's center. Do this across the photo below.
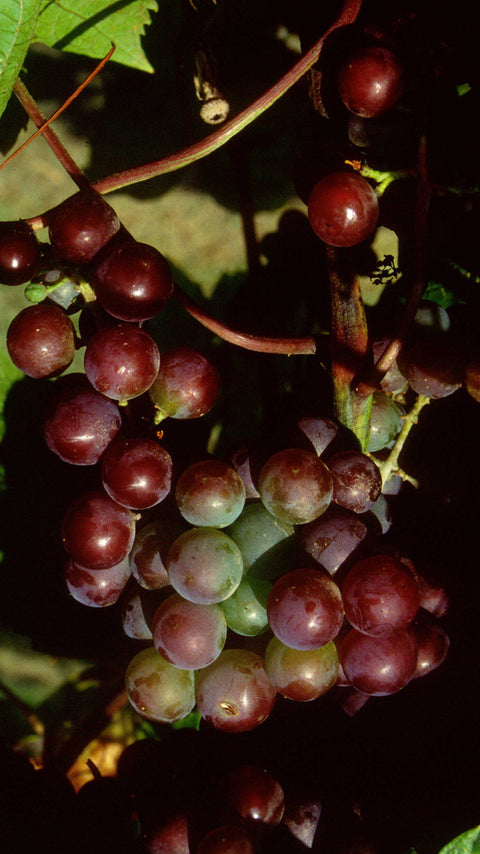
(241, 580)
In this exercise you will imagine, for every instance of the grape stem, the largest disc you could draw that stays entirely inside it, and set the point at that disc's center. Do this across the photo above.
(215, 140)
(420, 276)
(390, 466)
(257, 343)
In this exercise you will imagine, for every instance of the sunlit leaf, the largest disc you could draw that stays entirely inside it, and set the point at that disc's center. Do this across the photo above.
(18, 19)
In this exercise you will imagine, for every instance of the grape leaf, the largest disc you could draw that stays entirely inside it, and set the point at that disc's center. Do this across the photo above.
(91, 26)
(18, 19)
(466, 843)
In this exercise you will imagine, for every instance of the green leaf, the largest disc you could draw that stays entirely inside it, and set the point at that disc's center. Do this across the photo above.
(18, 19)
(436, 292)
(466, 843)
(89, 27)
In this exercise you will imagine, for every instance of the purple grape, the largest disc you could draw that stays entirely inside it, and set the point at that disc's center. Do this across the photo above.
(137, 473)
(357, 481)
(41, 340)
(379, 665)
(133, 281)
(97, 588)
(319, 431)
(157, 690)
(187, 384)
(234, 693)
(20, 253)
(305, 609)
(80, 423)
(204, 566)
(121, 362)
(81, 226)
(210, 493)
(134, 621)
(370, 81)
(189, 635)
(295, 485)
(332, 538)
(299, 674)
(432, 363)
(433, 644)
(149, 553)
(380, 595)
(97, 532)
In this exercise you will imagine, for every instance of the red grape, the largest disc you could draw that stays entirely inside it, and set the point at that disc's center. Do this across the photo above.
(210, 493)
(357, 481)
(380, 595)
(343, 209)
(41, 340)
(122, 362)
(333, 537)
(97, 532)
(301, 674)
(255, 794)
(379, 665)
(370, 81)
(20, 253)
(81, 226)
(97, 588)
(305, 609)
(137, 473)
(189, 635)
(295, 485)
(133, 281)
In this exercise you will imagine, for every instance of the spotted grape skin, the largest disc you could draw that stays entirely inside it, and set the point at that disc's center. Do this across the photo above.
(295, 485)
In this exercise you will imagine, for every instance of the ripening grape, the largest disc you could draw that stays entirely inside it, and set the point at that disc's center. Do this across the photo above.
(246, 609)
(300, 674)
(262, 538)
(149, 553)
(386, 421)
(157, 690)
(305, 608)
(189, 635)
(234, 693)
(97, 588)
(134, 617)
(204, 566)
(343, 209)
(186, 386)
(41, 340)
(295, 485)
(210, 493)
(137, 473)
(357, 481)
(332, 538)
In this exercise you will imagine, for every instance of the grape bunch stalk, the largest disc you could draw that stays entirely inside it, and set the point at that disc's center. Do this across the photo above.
(262, 574)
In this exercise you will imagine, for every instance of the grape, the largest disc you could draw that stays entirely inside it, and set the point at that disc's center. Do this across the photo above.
(41, 340)
(370, 81)
(81, 226)
(343, 209)
(80, 423)
(331, 539)
(210, 493)
(20, 253)
(433, 596)
(204, 566)
(187, 384)
(241, 462)
(189, 635)
(121, 362)
(385, 422)
(432, 363)
(170, 838)
(149, 553)
(137, 473)
(433, 644)
(301, 817)
(97, 532)
(262, 538)
(393, 380)
(380, 595)
(99, 587)
(319, 431)
(157, 690)
(227, 839)
(379, 665)
(305, 609)
(357, 481)
(246, 609)
(134, 620)
(300, 674)
(234, 693)
(133, 281)
(255, 794)
(295, 485)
